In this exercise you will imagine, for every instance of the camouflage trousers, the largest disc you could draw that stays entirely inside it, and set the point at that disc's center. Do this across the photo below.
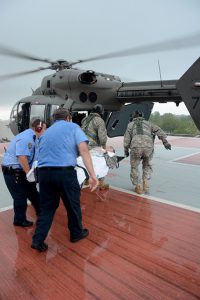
(138, 155)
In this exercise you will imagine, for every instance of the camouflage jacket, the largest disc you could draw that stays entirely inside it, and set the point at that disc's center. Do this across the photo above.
(141, 134)
(95, 129)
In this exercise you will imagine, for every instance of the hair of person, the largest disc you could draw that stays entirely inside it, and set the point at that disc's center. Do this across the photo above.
(37, 124)
(61, 114)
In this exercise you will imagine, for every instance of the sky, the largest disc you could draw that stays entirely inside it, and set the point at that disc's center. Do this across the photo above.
(77, 29)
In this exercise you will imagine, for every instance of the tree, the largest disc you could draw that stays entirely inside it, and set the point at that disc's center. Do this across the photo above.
(175, 124)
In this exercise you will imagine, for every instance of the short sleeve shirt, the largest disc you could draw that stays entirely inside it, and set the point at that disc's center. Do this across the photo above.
(22, 144)
(58, 146)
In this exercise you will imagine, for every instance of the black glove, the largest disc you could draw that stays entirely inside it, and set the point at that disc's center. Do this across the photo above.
(126, 153)
(167, 145)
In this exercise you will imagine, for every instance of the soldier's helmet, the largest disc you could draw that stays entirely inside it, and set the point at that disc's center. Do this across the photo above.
(99, 109)
(137, 114)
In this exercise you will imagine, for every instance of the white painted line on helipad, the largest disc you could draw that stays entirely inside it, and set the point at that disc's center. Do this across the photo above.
(195, 209)
(188, 155)
(182, 157)
(176, 160)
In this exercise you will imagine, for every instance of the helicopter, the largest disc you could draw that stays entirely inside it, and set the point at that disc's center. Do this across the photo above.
(79, 90)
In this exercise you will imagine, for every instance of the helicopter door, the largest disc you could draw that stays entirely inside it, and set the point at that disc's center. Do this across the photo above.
(118, 121)
(23, 113)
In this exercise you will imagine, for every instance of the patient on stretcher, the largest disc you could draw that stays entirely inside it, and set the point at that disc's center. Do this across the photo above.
(102, 159)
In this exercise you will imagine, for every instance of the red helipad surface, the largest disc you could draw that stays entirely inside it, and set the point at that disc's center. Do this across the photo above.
(137, 249)
(189, 142)
(193, 159)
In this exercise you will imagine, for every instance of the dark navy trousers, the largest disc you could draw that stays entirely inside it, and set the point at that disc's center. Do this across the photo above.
(56, 183)
(21, 192)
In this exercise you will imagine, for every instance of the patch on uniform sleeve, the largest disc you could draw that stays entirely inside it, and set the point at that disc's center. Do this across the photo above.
(30, 145)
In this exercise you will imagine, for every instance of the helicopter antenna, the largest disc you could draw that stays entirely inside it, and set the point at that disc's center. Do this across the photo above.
(161, 83)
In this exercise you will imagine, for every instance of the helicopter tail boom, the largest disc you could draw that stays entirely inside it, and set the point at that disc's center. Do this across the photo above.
(153, 91)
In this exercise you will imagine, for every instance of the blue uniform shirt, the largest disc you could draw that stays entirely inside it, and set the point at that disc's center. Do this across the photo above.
(58, 144)
(37, 140)
(22, 144)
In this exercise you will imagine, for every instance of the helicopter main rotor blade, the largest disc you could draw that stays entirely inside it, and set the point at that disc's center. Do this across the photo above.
(9, 76)
(167, 45)
(15, 53)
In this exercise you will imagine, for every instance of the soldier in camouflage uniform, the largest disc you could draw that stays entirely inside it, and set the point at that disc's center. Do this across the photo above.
(95, 129)
(139, 138)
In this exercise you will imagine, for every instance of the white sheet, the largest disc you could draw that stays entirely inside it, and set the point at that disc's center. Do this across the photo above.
(99, 164)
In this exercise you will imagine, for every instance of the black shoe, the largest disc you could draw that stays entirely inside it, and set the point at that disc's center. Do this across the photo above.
(26, 223)
(83, 235)
(40, 247)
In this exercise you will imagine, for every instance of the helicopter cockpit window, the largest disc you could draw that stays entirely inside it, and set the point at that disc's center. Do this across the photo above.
(37, 111)
(88, 77)
(50, 109)
(53, 108)
(13, 115)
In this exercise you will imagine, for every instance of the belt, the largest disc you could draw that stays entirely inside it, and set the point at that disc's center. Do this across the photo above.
(56, 168)
(10, 169)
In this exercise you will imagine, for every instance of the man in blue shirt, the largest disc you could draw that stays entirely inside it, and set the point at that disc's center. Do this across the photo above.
(59, 147)
(16, 163)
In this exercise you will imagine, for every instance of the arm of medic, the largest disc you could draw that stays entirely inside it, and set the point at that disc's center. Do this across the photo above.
(102, 132)
(166, 144)
(127, 141)
(126, 152)
(23, 161)
(162, 136)
(84, 152)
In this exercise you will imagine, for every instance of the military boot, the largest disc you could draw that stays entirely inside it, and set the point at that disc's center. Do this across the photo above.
(145, 185)
(103, 185)
(138, 189)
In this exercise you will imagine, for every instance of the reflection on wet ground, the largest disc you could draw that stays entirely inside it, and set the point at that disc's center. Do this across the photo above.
(137, 249)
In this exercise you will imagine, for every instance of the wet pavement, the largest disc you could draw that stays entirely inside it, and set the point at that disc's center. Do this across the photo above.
(175, 177)
(139, 247)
